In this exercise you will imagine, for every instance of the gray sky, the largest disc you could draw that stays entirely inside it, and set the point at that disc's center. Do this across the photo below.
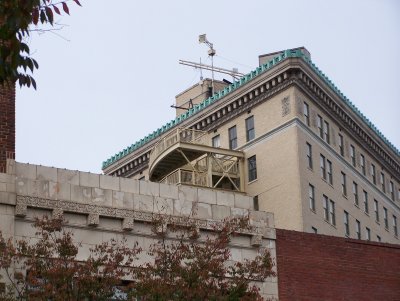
(113, 82)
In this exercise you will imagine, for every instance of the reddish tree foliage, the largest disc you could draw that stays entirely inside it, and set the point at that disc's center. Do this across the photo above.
(16, 16)
(187, 265)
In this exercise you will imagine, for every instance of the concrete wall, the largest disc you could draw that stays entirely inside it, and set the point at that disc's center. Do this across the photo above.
(99, 207)
(318, 267)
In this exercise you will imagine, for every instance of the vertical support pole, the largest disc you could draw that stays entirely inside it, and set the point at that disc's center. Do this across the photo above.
(241, 174)
(209, 170)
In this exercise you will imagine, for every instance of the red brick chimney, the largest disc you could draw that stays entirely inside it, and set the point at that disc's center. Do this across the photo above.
(7, 125)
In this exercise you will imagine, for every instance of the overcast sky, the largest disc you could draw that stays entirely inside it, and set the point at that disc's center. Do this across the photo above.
(111, 78)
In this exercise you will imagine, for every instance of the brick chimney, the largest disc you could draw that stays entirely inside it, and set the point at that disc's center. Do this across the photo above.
(7, 125)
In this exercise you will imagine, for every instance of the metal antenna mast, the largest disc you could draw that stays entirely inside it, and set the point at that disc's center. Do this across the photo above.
(211, 52)
(234, 72)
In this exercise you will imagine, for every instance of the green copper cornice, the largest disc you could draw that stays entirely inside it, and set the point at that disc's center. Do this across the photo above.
(232, 87)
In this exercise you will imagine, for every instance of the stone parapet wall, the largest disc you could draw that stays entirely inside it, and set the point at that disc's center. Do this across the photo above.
(98, 207)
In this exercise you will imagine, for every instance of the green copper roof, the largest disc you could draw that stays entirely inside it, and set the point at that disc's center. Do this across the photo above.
(232, 87)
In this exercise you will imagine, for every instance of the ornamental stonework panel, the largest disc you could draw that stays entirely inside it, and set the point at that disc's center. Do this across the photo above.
(285, 106)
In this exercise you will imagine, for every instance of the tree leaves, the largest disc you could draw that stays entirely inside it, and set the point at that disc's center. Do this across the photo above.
(16, 18)
(181, 268)
(35, 15)
(56, 10)
(65, 8)
(49, 14)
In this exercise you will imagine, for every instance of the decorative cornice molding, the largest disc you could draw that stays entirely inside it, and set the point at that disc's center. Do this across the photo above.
(215, 117)
(129, 216)
(314, 91)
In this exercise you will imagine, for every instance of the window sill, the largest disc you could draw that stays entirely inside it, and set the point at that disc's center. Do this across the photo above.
(377, 222)
(345, 196)
(387, 229)
(326, 221)
(357, 205)
(366, 213)
(313, 211)
(310, 169)
(252, 181)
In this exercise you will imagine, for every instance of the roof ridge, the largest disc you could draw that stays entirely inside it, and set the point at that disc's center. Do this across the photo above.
(235, 85)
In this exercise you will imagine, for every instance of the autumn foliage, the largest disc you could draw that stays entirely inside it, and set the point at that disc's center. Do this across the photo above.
(17, 19)
(186, 264)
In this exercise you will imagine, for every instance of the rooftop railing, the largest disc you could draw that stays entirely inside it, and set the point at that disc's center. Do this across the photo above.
(179, 135)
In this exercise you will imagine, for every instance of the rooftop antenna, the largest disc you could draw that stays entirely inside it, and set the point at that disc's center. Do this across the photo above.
(211, 52)
(201, 71)
(234, 72)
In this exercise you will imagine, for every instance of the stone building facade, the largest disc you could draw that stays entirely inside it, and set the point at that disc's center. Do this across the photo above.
(311, 157)
(99, 207)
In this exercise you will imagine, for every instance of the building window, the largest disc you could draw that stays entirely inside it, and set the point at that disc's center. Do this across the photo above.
(378, 238)
(373, 174)
(306, 111)
(355, 193)
(395, 225)
(326, 131)
(332, 212)
(314, 230)
(255, 203)
(325, 202)
(358, 229)
(250, 133)
(311, 196)
(353, 155)
(323, 167)
(344, 184)
(341, 145)
(362, 163)
(376, 209)
(367, 233)
(385, 218)
(346, 223)
(216, 141)
(366, 209)
(329, 210)
(383, 182)
(309, 155)
(391, 190)
(329, 169)
(252, 168)
(320, 126)
(232, 137)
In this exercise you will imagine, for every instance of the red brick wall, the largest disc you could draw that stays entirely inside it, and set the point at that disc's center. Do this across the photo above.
(319, 267)
(7, 125)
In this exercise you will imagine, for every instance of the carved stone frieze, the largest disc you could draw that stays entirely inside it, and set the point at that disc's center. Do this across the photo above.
(21, 208)
(128, 216)
(128, 223)
(57, 213)
(93, 219)
(256, 240)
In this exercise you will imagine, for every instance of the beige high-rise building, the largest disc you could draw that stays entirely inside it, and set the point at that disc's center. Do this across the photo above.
(285, 135)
